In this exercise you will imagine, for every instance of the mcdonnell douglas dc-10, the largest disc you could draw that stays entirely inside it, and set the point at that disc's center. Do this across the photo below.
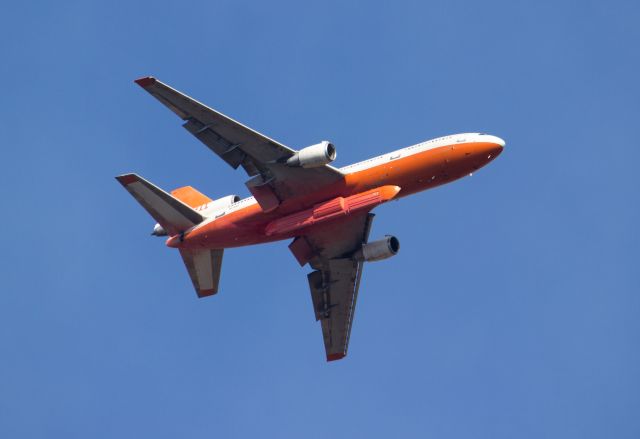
(297, 195)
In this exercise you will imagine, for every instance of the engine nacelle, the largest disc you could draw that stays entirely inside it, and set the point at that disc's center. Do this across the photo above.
(378, 250)
(314, 155)
(158, 230)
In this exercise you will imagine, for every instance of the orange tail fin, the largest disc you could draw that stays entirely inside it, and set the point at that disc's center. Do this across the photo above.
(190, 196)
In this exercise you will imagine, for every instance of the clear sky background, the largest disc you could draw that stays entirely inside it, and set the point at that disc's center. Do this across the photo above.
(512, 309)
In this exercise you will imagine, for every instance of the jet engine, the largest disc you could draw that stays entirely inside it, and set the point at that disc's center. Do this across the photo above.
(314, 155)
(158, 230)
(378, 250)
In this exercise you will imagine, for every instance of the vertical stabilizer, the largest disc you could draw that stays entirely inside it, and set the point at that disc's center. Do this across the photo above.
(190, 196)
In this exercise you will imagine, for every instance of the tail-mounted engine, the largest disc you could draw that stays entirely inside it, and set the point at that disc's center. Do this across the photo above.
(378, 250)
(314, 155)
(158, 230)
(207, 209)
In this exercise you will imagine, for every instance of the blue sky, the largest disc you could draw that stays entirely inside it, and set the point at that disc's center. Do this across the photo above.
(511, 310)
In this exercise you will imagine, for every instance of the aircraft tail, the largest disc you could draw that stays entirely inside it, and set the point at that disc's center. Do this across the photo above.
(175, 213)
(190, 196)
(172, 214)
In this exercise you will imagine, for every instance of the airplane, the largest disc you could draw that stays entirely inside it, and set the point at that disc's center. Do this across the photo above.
(297, 195)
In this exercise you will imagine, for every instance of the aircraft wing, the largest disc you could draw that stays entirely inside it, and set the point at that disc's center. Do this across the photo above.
(239, 145)
(335, 282)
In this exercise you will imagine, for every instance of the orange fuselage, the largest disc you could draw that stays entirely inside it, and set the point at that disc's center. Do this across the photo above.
(245, 223)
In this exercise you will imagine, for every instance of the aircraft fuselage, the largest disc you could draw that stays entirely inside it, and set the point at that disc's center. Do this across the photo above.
(413, 169)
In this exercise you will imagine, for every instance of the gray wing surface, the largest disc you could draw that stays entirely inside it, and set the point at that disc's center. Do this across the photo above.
(204, 268)
(336, 280)
(239, 145)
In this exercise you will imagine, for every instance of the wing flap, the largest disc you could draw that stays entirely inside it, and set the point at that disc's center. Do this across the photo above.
(224, 148)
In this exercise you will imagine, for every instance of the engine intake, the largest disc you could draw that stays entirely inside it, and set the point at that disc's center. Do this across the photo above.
(378, 250)
(314, 155)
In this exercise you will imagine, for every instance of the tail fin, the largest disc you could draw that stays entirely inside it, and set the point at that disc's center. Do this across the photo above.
(190, 196)
(204, 269)
(172, 214)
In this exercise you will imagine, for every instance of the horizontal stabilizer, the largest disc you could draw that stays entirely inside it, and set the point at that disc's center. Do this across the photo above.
(172, 214)
(204, 269)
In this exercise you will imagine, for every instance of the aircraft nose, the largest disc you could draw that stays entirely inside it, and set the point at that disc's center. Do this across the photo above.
(496, 141)
(496, 145)
(497, 149)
